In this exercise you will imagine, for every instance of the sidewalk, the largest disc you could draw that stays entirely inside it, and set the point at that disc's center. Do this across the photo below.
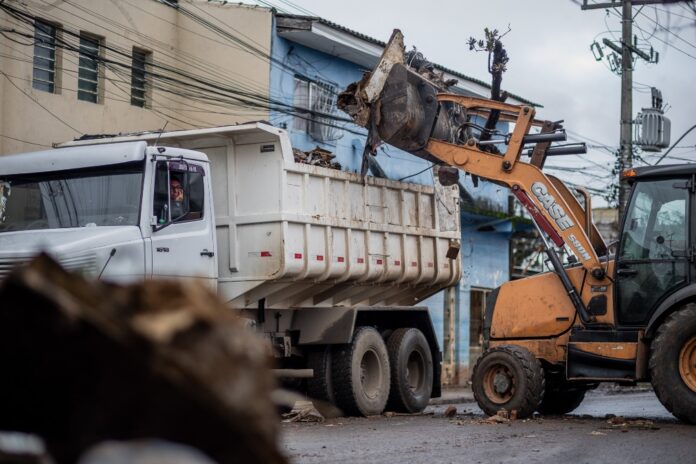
(454, 394)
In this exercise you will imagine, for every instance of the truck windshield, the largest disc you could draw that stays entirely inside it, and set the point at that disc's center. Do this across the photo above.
(104, 196)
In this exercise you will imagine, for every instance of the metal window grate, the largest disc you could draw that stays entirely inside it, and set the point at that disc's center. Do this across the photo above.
(319, 100)
(44, 73)
(88, 69)
(323, 101)
(139, 82)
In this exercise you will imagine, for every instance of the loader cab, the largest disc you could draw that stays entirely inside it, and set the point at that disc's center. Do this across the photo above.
(654, 258)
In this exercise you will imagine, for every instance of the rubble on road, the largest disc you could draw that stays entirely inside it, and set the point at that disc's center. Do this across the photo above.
(619, 422)
(451, 411)
(316, 157)
(91, 361)
(303, 411)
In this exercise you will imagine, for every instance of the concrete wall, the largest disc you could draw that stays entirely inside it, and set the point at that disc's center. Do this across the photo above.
(173, 39)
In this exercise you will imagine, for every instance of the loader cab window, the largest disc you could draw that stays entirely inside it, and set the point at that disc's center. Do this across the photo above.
(179, 192)
(652, 261)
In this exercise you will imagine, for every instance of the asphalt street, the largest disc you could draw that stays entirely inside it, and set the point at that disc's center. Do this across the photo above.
(642, 432)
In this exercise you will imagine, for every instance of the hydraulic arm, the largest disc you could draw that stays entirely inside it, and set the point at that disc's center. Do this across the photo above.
(412, 113)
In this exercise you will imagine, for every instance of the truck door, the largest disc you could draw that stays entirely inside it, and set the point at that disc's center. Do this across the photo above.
(183, 240)
(653, 256)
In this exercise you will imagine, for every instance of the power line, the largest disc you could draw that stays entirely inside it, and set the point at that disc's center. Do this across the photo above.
(667, 30)
(35, 101)
(25, 141)
(243, 98)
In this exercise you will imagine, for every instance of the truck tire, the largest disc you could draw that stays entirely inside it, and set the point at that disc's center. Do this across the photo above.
(361, 374)
(561, 401)
(320, 387)
(411, 371)
(508, 377)
(673, 363)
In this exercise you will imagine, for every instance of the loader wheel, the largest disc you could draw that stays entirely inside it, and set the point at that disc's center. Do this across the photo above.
(320, 387)
(561, 401)
(673, 363)
(361, 374)
(508, 377)
(411, 371)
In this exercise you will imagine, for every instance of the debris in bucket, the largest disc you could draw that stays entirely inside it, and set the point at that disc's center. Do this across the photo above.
(316, 157)
(92, 362)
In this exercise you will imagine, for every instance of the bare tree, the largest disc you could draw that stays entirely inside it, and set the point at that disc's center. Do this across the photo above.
(497, 65)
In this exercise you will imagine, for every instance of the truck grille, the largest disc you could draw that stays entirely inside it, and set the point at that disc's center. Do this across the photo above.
(84, 263)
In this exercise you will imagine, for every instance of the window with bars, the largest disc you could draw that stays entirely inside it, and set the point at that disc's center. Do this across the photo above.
(319, 99)
(44, 73)
(139, 78)
(88, 71)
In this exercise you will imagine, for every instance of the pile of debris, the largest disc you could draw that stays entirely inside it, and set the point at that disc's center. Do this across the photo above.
(87, 362)
(316, 157)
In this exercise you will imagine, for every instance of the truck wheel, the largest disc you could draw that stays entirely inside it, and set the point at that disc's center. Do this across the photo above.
(673, 363)
(361, 374)
(411, 371)
(561, 400)
(508, 377)
(320, 387)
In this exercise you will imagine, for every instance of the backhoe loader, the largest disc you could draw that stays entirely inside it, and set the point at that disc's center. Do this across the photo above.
(597, 316)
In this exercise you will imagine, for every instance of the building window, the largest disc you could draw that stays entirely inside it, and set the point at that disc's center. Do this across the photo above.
(319, 101)
(44, 75)
(88, 75)
(139, 79)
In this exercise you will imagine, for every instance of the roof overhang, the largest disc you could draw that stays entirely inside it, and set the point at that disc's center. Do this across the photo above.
(336, 40)
(316, 35)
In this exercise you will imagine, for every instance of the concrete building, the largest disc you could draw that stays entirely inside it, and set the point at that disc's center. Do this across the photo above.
(71, 69)
(85, 67)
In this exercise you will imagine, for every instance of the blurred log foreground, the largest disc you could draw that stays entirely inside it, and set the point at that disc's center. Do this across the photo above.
(84, 362)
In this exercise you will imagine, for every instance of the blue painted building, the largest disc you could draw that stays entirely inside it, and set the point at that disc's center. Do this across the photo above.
(315, 59)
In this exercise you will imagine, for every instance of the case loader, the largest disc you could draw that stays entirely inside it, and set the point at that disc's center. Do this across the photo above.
(597, 316)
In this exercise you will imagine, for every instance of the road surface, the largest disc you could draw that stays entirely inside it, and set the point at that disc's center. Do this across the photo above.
(649, 434)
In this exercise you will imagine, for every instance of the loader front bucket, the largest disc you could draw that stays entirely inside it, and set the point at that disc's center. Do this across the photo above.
(401, 104)
(406, 110)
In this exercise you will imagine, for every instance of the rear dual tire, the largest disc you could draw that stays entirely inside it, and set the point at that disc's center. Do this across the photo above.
(361, 375)
(411, 371)
(368, 374)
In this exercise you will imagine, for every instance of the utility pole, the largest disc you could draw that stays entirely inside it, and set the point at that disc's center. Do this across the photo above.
(626, 147)
(626, 50)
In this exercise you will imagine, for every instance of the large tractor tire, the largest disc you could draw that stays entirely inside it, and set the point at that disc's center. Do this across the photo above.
(508, 377)
(320, 387)
(561, 400)
(411, 371)
(673, 363)
(361, 374)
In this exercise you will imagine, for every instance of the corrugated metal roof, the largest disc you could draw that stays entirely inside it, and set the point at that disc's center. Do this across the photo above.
(374, 41)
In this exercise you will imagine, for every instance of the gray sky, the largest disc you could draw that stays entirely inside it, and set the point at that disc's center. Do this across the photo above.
(550, 60)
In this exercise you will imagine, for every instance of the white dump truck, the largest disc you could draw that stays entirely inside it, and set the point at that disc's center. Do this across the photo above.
(327, 264)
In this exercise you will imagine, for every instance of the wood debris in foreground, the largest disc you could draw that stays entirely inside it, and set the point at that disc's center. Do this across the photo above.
(86, 361)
